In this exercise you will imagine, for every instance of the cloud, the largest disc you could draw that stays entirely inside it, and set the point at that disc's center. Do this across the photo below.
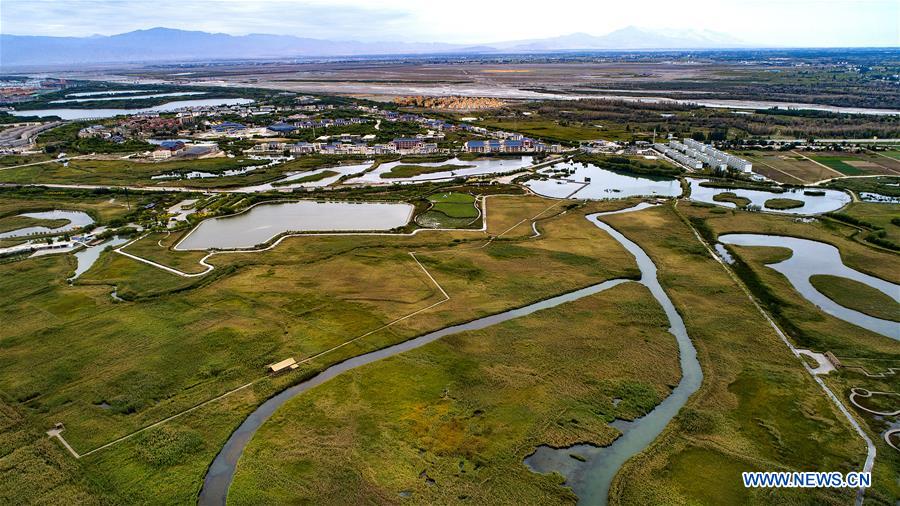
(107, 17)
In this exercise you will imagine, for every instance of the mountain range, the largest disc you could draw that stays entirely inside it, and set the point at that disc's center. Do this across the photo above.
(171, 45)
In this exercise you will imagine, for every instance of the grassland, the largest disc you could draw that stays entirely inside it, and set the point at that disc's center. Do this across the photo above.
(879, 215)
(9, 223)
(107, 368)
(788, 167)
(799, 167)
(117, 172)
(857, 296)
(859, 164)
(783, 204)
(806, 324)
(756, 408)
(731, 197)
(411, 170)
(479, 403)
(551, 130)
(449, 210)
(311, 178)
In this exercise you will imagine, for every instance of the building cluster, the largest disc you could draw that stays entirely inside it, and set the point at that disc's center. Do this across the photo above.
(13, 91)
(346, 145)
(102, 132)
(176, 148)
(516, 144)
(601, 146)
(695, 155)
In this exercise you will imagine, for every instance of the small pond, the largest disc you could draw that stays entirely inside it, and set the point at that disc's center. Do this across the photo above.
(77, 219)
(89, 255)
(588, 181)
(832, 200)
(265, 221)
(466, 168)
(812, 257)
(282, 184)
(877, 197)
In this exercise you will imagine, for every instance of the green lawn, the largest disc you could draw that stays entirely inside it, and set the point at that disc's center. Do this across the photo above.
(858, 296)
(409, 170)
(783, 204)
(839, 164)
(731, 197)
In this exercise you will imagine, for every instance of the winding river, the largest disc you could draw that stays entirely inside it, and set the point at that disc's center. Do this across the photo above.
(598, 472)
(591, 479)
(809, 258)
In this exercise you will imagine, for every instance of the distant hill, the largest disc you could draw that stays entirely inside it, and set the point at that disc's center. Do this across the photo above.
(628, 38)
(170, 45)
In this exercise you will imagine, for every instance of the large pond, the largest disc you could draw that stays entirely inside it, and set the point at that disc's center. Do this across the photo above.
(129, 97)
(590, 479)
(89, 255)
(71, 114)
(830, 200)
(77, 219)
(810, 258)
(588, 181)
(265, 221)
(466, 168)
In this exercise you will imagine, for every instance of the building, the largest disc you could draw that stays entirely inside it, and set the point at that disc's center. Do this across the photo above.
(228, 127)
(523, 145)
(267, 148)
(405, 144)
(287, 364)
(282, 128)
(302, 148)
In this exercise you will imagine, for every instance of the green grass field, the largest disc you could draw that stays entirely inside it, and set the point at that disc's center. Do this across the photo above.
(410, 170)
(839, 164)
(857, 296)
(454, 205)
(106, 368)
(731, 197)
(756, 409)
(480, 402)
(783, 204)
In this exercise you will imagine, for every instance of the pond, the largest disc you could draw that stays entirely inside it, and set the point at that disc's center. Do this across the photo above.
(588, 181)
(812, 257)
(110, 92)
(476, 167)
(591, 475)
(877, 197)
(89, 255)
(831, 200)
(77, 219)
(129, 97)
(265, 221)
(282, 184)
(72, 114)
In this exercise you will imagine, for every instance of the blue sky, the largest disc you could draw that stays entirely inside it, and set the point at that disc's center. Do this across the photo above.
(764, 22)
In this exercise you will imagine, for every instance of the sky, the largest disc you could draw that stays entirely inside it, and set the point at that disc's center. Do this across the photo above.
(820, 23)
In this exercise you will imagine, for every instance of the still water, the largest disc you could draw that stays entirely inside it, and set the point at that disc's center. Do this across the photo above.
(265, 221)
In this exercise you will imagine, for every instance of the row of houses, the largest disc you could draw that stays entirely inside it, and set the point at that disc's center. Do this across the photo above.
(403, 146)
(696, 155)
(523, 145)
(714, 157)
